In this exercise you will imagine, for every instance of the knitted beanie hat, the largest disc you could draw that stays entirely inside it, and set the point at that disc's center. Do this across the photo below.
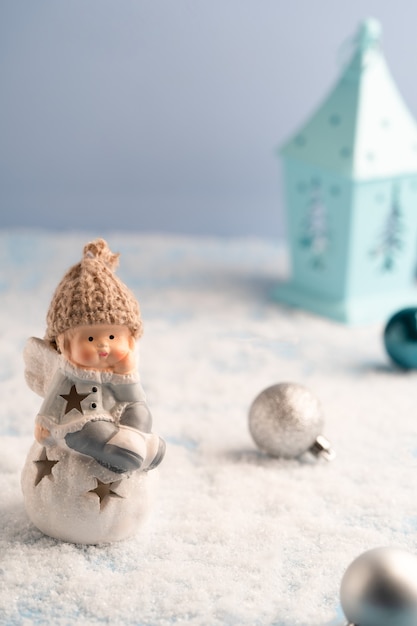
(90, 293)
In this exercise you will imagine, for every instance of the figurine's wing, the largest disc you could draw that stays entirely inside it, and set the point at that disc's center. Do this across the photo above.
(41, 362)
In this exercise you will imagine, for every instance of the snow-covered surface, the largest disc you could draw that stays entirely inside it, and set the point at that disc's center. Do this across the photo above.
(235, 538)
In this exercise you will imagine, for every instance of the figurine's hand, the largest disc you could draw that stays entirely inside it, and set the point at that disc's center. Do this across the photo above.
(41, 434)
(126, 365)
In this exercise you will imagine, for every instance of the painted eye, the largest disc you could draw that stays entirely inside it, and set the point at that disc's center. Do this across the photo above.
(111, 336)
(91, 339)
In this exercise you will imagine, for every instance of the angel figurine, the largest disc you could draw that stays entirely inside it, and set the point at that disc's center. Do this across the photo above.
(87, 476)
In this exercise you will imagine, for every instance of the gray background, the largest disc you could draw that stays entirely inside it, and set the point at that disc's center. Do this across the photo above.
(166, 115)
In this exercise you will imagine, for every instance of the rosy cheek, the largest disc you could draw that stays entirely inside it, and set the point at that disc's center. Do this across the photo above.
(120, 351)
(84, 354)
(116, 352)
(89, 353)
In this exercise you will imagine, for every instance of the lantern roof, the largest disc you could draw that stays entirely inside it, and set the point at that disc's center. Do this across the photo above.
(363, 129)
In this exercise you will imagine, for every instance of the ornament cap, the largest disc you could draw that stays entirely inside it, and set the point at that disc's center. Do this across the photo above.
(322, 448)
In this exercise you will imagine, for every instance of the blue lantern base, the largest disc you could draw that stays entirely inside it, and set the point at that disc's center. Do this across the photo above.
(359, 310)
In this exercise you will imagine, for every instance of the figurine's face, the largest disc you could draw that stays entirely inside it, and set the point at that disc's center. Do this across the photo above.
(99, 346)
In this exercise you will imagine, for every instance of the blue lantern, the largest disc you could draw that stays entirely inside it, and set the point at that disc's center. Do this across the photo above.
(351, 194)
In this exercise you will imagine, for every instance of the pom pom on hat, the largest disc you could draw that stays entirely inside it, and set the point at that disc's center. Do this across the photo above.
(99, 249)
(90, 293)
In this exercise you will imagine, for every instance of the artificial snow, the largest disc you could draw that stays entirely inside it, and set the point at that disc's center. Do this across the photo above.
(235, 537)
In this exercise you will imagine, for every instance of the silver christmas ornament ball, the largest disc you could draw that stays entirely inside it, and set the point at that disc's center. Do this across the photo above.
(380, 589)
(285, 420)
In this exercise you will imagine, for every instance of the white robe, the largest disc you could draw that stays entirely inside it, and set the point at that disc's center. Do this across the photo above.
(70, 496)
